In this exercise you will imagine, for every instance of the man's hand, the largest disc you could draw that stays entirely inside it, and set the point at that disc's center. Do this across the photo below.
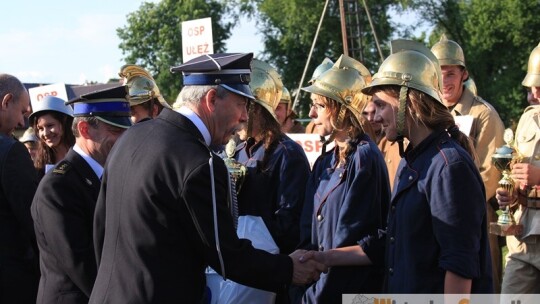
(526, 174)
(504, 198)
(306, 271)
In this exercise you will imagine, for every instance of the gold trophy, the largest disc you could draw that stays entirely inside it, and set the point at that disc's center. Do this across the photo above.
(502, 159)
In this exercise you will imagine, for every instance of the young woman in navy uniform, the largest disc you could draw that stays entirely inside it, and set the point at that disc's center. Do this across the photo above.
(353, 192)
(277, 167)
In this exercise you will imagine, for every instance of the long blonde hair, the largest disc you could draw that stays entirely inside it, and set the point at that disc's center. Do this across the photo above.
(350, 124)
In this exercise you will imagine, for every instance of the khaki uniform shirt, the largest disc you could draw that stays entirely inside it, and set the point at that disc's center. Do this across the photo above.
(390, 151)
(527, 142)
(486, 133)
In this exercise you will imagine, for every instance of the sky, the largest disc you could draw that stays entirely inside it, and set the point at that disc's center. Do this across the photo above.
(74, 41)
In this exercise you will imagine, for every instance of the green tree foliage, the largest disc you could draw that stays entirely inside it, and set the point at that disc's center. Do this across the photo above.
(497, 37)
(152, 37)
(288, 28)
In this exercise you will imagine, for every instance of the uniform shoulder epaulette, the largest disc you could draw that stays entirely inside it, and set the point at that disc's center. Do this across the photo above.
(532, 108)
(62, 167)
(481, 100)
(484, 103)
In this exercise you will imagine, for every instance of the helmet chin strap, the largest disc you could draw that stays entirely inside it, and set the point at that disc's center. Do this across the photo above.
(401, 117)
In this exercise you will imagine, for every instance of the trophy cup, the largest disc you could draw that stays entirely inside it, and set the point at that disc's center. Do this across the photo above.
(237, 174)
(502, 159)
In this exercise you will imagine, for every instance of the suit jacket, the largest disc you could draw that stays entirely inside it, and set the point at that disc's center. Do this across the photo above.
(19, 270)
(154, 227)
(63, 211)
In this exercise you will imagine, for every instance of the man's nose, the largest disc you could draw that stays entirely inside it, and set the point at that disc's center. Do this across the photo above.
(244, 116)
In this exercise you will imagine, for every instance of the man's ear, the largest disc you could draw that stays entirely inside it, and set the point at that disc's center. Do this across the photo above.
(83, 128)
(155, 110)
(6, 100)
(465, 75)
(210, 100)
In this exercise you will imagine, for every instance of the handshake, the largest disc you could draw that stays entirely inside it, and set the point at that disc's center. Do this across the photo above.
(308, 266)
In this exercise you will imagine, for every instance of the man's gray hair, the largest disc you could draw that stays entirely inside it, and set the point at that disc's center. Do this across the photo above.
(11, 84)
(192, 95)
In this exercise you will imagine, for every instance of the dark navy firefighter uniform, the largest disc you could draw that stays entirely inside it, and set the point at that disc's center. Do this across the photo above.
(350, 206)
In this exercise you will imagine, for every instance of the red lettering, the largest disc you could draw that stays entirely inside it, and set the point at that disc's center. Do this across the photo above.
(318, 145)
(308, 146)
(197, 49)
(195, 31)
(40, 96)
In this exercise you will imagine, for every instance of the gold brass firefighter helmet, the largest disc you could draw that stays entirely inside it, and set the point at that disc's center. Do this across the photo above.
(266, 85)
(141, 85)
(346, 61)
(285, 96)
(325, 65)
(342, 83)
(471, 85)
(412, 65)
(532, 79)
(448, 52)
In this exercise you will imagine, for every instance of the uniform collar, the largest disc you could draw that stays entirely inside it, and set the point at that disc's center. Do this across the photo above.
(96, 167)
(411, 153)
(465, 102)
(196, 120)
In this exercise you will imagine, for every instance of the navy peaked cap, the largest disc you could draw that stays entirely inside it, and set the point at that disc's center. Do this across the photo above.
(109, 106)
(229, 70)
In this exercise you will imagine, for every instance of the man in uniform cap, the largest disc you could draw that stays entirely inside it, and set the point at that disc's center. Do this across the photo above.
(486, 131)
(19, 265)
(63, 207)
(162, 214)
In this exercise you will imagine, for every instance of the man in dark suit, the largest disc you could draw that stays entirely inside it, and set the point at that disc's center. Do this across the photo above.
(19, 265)
(162, 213)
(63, 208)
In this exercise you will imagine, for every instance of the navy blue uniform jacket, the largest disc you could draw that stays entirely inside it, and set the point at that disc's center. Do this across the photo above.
(349, 205)
(63, 212)
(154, 228)
(437, 220)
(276, 192)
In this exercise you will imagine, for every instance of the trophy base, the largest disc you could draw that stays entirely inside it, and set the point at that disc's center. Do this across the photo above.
(505, 229)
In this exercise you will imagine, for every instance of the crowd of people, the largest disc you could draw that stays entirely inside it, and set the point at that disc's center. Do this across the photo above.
(116, 196)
